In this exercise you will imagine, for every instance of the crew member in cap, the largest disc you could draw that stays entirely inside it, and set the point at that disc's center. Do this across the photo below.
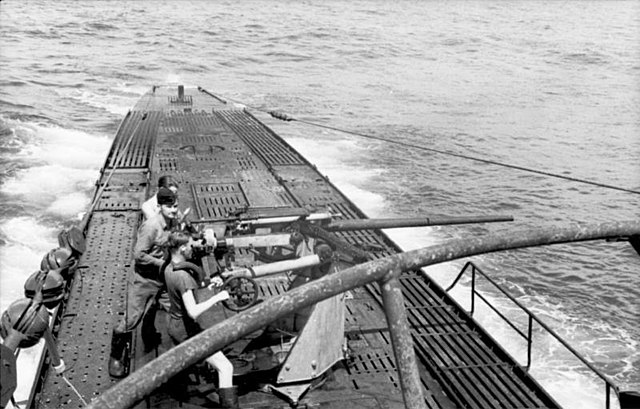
(151, 207)
(148, 283)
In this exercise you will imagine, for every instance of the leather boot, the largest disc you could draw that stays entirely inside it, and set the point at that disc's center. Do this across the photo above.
(118, 368)
(229, 397)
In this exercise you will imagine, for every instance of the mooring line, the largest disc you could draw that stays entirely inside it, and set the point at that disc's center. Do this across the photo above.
(287, 118)
(84, 402)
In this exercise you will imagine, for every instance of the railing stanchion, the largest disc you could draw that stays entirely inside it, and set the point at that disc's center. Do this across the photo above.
(402, 344)
(529, 342)
(473, 288)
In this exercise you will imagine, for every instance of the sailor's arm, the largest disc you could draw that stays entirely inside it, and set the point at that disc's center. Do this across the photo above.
(144, 244)
(194, 309)
(150, 208)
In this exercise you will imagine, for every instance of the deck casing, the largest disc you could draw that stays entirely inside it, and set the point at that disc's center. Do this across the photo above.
(224, 160)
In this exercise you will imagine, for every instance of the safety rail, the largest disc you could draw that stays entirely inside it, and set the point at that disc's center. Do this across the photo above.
(385, 271)
(531, 317)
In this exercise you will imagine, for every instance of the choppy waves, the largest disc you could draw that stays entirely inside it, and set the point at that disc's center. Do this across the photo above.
(548, 87)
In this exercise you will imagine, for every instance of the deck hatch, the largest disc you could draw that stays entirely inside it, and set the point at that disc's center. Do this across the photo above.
(260, 193)
(188, 123)
(218, 200)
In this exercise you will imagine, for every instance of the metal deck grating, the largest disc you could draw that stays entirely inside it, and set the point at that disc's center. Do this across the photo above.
(139, 149)
(96, 298)
(119, 203)
(207, 153)
(218, 200)
(115, 239)
(261, 139)
(460, 355)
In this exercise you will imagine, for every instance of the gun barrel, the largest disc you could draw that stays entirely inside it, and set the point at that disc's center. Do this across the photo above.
(366, 224)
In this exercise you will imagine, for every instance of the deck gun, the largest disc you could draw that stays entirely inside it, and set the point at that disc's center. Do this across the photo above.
(284, 227)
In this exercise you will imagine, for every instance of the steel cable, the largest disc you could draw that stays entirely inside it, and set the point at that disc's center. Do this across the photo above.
(284, 117)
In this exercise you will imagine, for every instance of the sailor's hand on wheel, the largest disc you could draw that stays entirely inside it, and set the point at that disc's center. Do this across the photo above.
(215, 282)
(243, 292)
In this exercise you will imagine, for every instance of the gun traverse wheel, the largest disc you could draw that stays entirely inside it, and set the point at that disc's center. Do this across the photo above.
(243, 293)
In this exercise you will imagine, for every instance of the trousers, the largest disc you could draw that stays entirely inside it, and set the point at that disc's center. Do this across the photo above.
(142, 295)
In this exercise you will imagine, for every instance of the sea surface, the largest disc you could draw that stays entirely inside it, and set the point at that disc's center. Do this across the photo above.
(548, 85)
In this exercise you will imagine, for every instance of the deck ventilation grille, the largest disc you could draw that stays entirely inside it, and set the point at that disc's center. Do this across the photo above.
(203, 140)
(97, 297)
(138, 146)
(178, 122)
(261, 139)
(168, 164)
(118, 203)
(218, 200)
(185, 100)
(189, 123)
(124, 181)
(246, 162)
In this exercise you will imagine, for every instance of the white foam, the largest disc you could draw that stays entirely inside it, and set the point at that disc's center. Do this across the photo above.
(26, 243)
(69, 163)
(112, 102)
(338, 160)
(70, 205)
(173, 79)
(71, 148)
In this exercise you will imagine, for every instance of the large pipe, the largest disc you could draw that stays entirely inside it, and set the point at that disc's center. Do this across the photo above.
(363, 224)
(402, 343)
(144, 381)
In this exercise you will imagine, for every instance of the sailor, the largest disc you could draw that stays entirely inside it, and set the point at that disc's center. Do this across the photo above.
(148, 285)
(151, 207)
(181, 282)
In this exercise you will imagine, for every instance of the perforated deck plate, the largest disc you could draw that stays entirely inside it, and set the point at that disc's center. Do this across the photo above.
(217, 156)
(96, 299)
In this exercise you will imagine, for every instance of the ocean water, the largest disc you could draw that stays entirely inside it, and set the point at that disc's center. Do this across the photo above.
(549, 85)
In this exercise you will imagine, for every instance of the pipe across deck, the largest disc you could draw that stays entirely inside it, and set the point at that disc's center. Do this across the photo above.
(224, 159)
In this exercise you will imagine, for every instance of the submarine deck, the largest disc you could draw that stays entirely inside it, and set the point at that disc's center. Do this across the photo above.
(225, 159)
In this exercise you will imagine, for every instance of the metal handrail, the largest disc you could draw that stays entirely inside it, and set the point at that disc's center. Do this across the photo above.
(531, 317)
(386, 271)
